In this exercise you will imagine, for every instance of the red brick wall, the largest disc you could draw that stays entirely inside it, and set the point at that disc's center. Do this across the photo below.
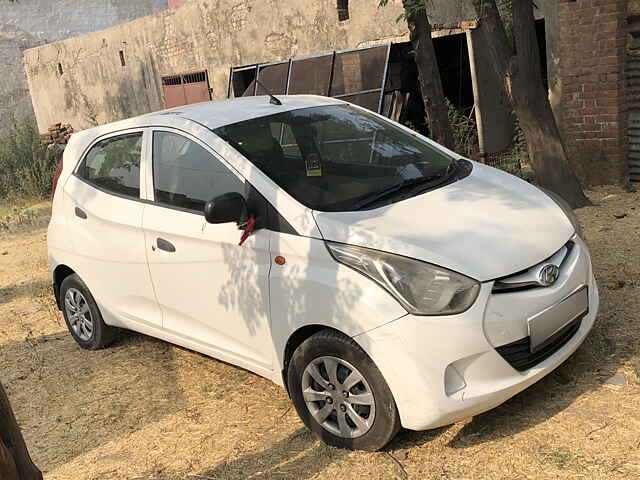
(592, 54)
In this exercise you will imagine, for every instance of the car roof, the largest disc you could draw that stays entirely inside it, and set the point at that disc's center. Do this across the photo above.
(216, 114)
(211, 115)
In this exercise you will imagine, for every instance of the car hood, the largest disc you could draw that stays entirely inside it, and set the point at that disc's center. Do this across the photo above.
(487, 225)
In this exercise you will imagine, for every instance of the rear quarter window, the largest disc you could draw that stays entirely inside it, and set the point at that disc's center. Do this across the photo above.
(113, 164)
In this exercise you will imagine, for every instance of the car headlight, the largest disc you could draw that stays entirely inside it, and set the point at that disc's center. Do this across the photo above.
(566, 208)
(421, 288)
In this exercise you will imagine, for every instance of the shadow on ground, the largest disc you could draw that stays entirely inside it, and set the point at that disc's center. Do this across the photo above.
(298, 456)
(29, 289)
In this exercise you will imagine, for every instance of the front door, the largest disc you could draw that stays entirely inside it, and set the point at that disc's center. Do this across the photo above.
(213, 293)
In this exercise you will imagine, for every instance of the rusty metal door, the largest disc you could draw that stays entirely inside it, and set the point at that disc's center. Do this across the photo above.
(185, 89)
(196, 87)
(173, 91)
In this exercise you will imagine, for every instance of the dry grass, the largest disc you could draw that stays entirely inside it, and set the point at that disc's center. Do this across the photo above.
(144, 409)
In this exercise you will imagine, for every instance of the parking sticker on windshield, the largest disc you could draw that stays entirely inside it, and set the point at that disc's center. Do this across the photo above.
(313, 166)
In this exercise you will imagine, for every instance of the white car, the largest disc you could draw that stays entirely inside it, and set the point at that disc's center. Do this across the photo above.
(382, 279)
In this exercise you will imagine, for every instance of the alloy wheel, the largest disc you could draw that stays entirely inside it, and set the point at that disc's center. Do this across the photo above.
(338, 397)
(78, 314)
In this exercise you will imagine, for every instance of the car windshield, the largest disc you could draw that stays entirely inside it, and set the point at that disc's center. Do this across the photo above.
(338, 158)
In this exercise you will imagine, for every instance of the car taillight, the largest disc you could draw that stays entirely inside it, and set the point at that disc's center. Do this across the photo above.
(56, 176)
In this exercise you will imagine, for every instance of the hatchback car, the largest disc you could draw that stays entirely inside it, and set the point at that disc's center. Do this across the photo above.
(382, 279)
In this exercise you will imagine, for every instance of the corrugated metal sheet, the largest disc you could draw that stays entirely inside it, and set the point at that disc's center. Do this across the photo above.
(633, 103)
(356, 75)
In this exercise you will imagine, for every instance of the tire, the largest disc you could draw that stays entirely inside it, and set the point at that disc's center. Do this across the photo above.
(317, 356)
(88, 328)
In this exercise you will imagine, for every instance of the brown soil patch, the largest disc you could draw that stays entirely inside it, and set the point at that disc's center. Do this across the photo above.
(144, 409)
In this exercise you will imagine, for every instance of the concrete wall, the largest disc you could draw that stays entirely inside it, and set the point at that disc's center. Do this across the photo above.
(444, 13)
(95, 88)
(28, 23)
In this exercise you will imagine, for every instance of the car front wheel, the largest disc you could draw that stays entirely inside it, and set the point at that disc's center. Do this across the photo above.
(340, 394)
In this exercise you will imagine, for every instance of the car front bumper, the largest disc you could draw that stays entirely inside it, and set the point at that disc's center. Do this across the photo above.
(445, 369)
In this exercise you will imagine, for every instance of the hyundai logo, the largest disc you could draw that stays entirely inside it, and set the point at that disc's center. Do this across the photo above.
(548, 275)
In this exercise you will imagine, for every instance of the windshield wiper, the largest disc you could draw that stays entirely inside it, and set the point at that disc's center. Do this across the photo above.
(408, 185)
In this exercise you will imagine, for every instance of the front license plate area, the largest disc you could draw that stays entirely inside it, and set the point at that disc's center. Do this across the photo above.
(546, 325)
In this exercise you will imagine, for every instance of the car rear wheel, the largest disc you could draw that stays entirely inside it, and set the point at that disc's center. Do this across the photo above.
(340, 394)
(82, 316)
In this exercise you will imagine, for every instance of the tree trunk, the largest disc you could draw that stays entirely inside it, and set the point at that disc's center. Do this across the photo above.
(15, 462)
(436, 109)
(522, 76)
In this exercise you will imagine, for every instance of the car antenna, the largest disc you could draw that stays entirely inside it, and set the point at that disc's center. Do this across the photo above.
(272, 99)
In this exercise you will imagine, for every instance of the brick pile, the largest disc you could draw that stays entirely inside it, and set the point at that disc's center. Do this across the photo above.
(57, 133)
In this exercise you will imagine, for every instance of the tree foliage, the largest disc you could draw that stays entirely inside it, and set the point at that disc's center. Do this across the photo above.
(26, 164)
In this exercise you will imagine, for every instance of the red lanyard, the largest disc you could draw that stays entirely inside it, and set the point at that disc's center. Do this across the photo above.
(248, 229)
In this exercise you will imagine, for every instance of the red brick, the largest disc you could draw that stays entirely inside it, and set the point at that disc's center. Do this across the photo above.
(611, 8)
(606, 102)
(607, 17)
(587, 111)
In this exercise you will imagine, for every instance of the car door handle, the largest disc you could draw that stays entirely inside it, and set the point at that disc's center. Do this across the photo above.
(165, 245)
(80, 213)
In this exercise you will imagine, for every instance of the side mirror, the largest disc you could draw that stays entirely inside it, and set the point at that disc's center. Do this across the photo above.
(226, 208)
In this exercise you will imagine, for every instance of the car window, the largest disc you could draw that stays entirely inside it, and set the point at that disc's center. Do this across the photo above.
(186, 175)
(113, 164)
(338, 158)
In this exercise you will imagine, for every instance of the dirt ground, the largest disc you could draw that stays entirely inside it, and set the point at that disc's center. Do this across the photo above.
(144, 409)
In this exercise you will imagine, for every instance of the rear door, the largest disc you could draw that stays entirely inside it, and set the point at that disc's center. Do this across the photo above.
(213, 293)
(104, 214)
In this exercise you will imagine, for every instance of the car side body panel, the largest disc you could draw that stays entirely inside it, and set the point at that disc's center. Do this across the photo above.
(311, 288)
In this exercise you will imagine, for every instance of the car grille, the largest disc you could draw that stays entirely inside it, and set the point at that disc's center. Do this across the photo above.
(527, 279)
(518, 354)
